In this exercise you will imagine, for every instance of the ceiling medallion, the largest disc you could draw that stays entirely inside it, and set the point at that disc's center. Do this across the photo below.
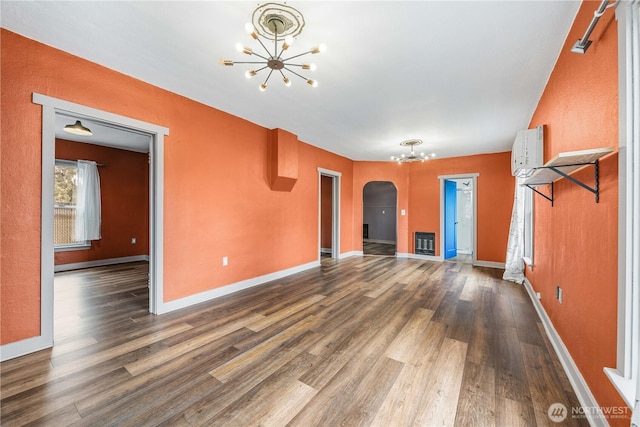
(279, 24)
(273, 20)
(412, 157)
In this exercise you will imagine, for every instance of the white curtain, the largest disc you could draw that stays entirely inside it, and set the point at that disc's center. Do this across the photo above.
(88, 210)
(514, 266)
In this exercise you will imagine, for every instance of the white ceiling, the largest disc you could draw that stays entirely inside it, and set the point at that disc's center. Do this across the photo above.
(463, 76)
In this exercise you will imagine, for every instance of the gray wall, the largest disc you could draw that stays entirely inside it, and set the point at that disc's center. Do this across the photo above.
(379, 210)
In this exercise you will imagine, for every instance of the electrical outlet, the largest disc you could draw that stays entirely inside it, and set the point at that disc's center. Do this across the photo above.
(559, 293)
(225, 260)
(133, 240)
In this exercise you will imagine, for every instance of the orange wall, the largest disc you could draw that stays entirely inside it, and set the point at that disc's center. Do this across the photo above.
(419, 194)
(213, 207)
(124, 188)
(495, 187)
(576, 239)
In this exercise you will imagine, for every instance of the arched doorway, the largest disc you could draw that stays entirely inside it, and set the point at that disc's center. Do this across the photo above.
(379, 219)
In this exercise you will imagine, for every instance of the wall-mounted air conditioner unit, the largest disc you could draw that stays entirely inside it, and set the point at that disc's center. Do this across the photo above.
(527, 151)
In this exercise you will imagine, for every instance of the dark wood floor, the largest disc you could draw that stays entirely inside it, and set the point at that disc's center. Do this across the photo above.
(371, 341)
(380, 249)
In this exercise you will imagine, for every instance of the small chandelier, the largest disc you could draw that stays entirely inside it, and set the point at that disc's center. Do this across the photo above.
(412, 157)
(280, 24)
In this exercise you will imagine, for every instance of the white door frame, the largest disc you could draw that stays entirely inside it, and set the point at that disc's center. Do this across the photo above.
(51, 106)
(474, 205)
(335, 211)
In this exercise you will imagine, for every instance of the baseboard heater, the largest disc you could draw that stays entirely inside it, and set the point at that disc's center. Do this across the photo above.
(425, 243)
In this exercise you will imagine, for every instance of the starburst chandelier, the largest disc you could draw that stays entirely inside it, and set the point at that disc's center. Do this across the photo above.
(279, 24)
(412, 157)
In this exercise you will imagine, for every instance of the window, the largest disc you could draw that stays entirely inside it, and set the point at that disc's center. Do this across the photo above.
(64, 210)
(528, 228)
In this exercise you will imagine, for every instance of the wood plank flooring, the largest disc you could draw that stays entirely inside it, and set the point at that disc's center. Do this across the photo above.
(364, 341)
(380, 249)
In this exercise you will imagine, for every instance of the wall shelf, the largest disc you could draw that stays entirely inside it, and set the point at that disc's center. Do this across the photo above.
(562, 166)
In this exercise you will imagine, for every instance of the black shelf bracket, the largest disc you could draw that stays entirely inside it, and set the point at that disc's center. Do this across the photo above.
(595, 189)
(549, 198)
(596, 175)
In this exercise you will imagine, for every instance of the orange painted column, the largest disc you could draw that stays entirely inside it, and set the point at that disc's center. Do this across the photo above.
(284, 160)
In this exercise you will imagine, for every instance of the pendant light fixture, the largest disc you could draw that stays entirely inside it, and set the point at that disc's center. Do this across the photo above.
(412, 157)
(78, 129)
(279, 24)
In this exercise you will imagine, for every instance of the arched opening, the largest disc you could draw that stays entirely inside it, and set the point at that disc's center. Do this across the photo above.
(379, 218)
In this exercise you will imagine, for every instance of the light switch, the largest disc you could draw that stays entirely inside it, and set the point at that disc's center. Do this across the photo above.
(402, 212)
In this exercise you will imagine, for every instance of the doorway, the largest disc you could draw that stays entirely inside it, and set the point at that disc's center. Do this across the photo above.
(122, 160)
(450, 219)
(458, 212)
(328, 213)
(379, 220)
(50, 108)
(326, 216)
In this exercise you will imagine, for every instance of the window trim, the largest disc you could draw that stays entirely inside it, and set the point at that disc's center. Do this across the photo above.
(625, 377)
(529, 223)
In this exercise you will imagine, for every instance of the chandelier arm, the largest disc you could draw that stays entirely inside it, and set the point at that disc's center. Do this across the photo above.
(285, 78)
(279, 56)
(296, 56)
(252, 62)
(265, 49)
(293, 72)
(260, 56)
(267, 79)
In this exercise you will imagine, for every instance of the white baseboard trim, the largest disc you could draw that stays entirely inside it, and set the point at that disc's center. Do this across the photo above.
(419, 256)
(229, 289)
(23, 347)
(490, 264)
(583, 393)
(100, 263)
(326, 251)
(350, 254)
